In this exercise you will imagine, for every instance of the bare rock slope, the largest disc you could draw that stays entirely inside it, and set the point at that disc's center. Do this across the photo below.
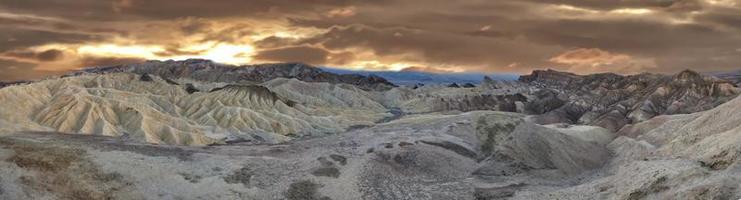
(473, 155)
(417, 157)
(692, 156)
(156, 111)
(612, 101)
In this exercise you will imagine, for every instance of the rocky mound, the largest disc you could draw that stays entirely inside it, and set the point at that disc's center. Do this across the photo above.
(692, 156)
(208, 71)
(466, 103)
(440, 98)
(612, 101)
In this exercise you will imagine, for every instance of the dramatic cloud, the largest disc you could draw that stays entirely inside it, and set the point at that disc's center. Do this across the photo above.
(597, 60)
(12, 70)
(42, 37)
(306, 54)
(44, 56)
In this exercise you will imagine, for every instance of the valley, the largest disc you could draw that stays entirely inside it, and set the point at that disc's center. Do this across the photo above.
(196, 129)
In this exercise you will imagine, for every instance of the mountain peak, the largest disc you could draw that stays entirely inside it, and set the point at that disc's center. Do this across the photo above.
(687, 75)
(548, 75)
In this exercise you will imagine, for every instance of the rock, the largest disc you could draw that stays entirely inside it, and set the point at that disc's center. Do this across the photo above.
(170, 81)
(550, 77)
(543, 101)
(327, 171)
(145, 77)
(304, 190)
(478, 102)
(543, 148)
(487, 80)
(243, 176)
(418, 85)
(338, 158)
(190, 88)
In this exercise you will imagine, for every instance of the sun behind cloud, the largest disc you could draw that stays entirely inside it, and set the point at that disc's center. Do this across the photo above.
(42, 37)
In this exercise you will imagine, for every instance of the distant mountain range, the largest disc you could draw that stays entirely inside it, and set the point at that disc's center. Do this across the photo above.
(733, 76)
(414, 77)
(207, 70)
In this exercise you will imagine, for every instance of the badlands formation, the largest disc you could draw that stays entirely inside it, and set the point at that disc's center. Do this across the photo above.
(195, 129)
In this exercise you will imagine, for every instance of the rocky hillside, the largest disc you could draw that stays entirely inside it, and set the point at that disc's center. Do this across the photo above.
(474, 155)
(208, 71)
(153, 109)
(198, 130)
(196, 102)
(612, 101)
(692, 156)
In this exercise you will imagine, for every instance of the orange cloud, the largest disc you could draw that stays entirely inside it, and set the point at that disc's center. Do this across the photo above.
(342, 12)
(594, 60)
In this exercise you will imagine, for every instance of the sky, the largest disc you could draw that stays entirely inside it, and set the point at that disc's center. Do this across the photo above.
(40, 38)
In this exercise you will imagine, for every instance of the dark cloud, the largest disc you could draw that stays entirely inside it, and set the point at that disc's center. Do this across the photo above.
(195, 25)
(726, 17)
(107, 61)
(305, 54)
(44, 56)
(667, 43)
(77, 9)
(175, 51)
(493, 34)
(53, 25)
(50, 55)
(11, 70)
(274, 42)
(15, 39)
(110, 10)
(233, 33)
(341, 58)
(673, 32)
(435, 47)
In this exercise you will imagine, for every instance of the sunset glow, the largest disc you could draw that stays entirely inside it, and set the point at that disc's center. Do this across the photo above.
(218, 52)
(42, 38)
